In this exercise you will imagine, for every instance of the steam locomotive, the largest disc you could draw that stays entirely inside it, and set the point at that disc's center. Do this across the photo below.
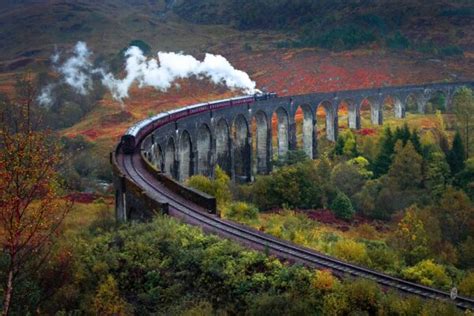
(135, 134)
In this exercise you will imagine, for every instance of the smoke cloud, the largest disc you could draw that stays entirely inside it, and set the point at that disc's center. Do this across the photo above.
(160, 73)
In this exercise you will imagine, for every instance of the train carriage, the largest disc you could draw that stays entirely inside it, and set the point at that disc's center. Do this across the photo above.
(137, 132)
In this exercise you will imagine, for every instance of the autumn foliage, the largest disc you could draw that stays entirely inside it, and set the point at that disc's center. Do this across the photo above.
(30, 206)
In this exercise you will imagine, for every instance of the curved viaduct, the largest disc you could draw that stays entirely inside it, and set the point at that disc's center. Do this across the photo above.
(225, 137)
(194, 144)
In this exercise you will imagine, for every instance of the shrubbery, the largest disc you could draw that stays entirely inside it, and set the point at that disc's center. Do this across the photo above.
(342, 206)
(164, 267)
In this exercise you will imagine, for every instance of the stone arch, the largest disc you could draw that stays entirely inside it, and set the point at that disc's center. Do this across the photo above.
(204, 140)
(353, 113)
(222, 136)
(330, 121)
(241, 149)
(392, 106)
(157, 156)
(416, 101)
(376, 114)
(260, 126)
(170, 158)
(307, 129)
(283, 126)
(185, 156)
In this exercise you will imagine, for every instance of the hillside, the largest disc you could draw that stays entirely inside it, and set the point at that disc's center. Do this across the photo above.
(33, 30)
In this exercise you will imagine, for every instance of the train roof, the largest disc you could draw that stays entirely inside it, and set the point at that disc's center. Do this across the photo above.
(193, 106)
(242, 97)
(134, 129)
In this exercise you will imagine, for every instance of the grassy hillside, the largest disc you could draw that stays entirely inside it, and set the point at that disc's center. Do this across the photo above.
(342, 25)
(32, 28)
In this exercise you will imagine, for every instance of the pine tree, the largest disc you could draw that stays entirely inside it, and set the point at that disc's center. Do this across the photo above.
(415, 140)
(339, 147)
(384, 158)
(437, 174)
(456, 155)
(402, 134)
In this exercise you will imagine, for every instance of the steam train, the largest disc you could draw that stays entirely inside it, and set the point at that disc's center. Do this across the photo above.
(135, 134)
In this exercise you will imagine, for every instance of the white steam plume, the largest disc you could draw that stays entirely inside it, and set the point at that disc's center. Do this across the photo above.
(160, 73)
(77, 70)
(46, 98)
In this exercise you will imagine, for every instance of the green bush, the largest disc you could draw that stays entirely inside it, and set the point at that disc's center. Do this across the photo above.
(301, 185)
(241, 211)
(342, 206)
(217, 187)
(428, 273)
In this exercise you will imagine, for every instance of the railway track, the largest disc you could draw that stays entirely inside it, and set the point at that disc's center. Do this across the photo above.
(133, 167)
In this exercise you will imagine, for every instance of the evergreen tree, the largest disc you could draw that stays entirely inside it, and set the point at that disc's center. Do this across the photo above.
(464, 110)
(437, 174)
(342, 206)
(465, 178)
(339, 147)
(402, 134)
(384, 158)
(456, 154)
(406, 168)
(415, 140)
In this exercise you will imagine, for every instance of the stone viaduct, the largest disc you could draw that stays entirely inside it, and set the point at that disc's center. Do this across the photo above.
(239, 138)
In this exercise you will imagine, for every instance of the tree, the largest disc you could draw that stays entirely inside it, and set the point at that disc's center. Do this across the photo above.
(456, 215)
(466, 287)
(342, 206)
(384, 158)
(346, 145)
(406, 168)
(108, 301)
(403, 134)
(350, 176)
(411, 237)
(463, 103)
(30, 203)
(437, 174)
(415, 140)
(465, 178)
(456, 154)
